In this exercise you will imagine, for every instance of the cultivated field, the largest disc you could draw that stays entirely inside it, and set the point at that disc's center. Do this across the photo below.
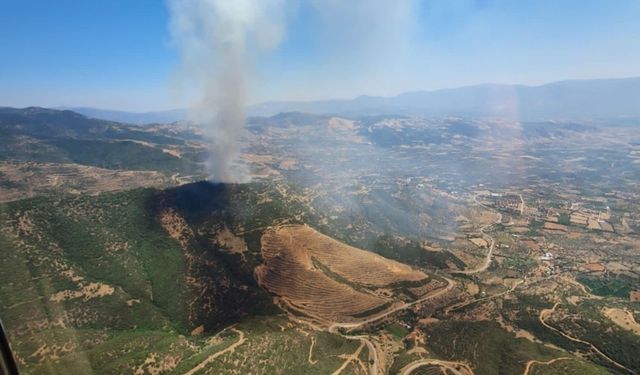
(357, 266)
(326, 279)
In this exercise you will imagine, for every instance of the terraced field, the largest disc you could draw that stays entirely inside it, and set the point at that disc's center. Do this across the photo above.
(347, 261)
(329, 280)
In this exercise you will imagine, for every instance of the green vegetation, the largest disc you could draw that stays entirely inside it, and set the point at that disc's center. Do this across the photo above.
(619, 344)
(153, 290)
(567, 367)
(397, 330)
(412, 253)
(519, 263)
(117, 155)
(610, 286)
(564, 219)
(485, 345)
(272, 347)
(534, 228)
(591, 326)
(117, 273)
(121, 353)
(401, 360)
(527, 319)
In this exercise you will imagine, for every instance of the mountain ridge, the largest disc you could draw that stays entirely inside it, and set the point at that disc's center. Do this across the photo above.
(559, 100)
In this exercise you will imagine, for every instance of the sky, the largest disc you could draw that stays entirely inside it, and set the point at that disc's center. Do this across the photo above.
(120, 54)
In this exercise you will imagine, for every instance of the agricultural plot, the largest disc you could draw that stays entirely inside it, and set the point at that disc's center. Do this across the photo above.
(357, 266)
(328, 280)
(293, 277)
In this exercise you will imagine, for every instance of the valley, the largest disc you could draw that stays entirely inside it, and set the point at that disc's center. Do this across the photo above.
(365, 245)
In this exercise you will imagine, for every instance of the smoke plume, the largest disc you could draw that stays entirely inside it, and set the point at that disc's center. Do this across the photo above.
(217, 41)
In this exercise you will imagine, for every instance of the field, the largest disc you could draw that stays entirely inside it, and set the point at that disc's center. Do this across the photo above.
(356, 265)
(326, 279)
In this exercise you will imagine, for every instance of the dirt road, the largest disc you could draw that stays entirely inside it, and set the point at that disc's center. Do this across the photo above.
(457, 368)
(350, 358)
(230, 348)
(333, 327)
(546, 312)
(313, 342)
(463, 304)
(487, 260)
(373, 354)
(533, 362)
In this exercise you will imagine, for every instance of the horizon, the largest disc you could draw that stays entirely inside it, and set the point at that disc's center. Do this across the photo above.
(73, 108)
(319, 51)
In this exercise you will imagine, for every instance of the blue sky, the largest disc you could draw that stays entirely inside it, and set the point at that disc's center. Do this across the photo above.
(118, 53)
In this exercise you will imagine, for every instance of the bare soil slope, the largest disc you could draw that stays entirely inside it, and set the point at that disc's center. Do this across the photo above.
(326, 279)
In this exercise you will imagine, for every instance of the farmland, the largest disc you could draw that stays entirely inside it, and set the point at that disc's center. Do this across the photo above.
(329, 280)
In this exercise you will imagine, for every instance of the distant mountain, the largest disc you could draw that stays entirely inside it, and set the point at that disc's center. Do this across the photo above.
(138, 118)
(54, 136)
(602, 98)
(45, 122)
(564, 100)
(52, 123)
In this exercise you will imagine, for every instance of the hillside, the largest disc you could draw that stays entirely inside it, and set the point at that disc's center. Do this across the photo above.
(331, 282)
(146, 264)
(39, 135)
(138, 118)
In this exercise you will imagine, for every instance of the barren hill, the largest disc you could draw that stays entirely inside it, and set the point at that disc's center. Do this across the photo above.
(331, 281)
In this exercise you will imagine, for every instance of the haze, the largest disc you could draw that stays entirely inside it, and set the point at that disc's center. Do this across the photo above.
(120, 54)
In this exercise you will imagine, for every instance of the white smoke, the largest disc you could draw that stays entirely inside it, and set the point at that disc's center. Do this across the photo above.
(217, 41)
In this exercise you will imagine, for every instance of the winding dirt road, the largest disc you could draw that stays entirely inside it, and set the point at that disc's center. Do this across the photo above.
(350, 358)
(487, 260)
(450, 284)
(457, 368)
(311, 361)
(546, 312)
(230, 348)
(373, 354)
(533, 362)
(467, 303)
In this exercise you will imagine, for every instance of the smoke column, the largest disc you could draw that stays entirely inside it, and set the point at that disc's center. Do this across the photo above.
(217, 41)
